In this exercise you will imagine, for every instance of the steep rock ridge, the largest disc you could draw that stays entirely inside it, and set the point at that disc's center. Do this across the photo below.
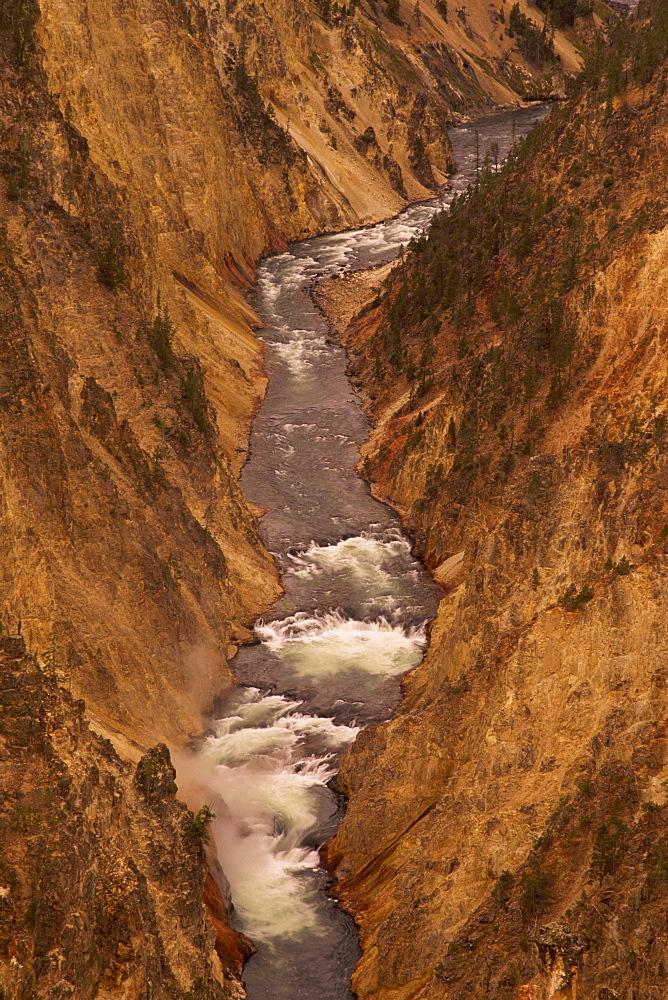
(102, 870)
(505, 834)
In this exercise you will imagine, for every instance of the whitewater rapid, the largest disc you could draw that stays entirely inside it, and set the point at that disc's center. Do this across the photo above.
(352, 621)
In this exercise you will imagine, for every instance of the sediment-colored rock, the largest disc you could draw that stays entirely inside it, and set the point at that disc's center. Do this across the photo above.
(151, 152)
(102, 870)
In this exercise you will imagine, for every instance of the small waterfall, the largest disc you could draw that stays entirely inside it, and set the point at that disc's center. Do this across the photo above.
(317, 645)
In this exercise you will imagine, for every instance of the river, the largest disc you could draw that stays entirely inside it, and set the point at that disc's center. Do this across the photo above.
(352, 619)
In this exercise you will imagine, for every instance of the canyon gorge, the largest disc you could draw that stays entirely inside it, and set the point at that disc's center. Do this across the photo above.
(503, 834)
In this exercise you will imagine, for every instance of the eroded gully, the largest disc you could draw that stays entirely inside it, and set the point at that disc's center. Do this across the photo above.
(351, 622)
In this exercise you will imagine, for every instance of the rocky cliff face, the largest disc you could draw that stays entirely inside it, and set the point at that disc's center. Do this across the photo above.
(129, 375)
(505, 833)
(149, 158)
(151, 150)
(102, 870)
(366, 98)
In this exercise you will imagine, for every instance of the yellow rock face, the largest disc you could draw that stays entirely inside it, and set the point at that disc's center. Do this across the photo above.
(179, 142)
(131, 562)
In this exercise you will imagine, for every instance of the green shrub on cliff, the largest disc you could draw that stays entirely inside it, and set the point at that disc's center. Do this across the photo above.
(623, 567)
(657, 864)
(503, 888)
(609, 845)
(571, 601)
(19, 17)
(200, 991)
(537, 888)
(160, 335)
(563, 12)
(534, 43)
(632, 54)
(111, 261)
(393, 11)
(194, 397)
(200, 821)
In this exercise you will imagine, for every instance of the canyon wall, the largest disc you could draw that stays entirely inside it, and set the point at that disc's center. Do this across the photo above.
(110, 863)
(145, 172)
(505, 834)
(366, 99)
(151, 151)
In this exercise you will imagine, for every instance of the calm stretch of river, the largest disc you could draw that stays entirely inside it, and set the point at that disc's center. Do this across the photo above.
(351, 622)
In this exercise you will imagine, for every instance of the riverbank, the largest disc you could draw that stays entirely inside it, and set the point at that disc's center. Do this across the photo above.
(351, 621)
(331, 650)
(343, 296)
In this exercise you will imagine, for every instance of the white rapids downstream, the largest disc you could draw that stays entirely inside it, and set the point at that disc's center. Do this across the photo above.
(351, 622)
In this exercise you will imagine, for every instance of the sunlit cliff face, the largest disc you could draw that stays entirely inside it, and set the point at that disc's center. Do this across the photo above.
(147, 172)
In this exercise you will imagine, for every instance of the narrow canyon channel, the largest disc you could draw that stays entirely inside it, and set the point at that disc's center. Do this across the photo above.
(352, 619)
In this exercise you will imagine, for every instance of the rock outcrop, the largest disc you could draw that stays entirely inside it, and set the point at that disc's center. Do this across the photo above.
(505, 832)
(102, 870)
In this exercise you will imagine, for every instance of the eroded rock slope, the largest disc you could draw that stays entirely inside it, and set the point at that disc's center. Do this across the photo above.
(101, 869)
(150, 152)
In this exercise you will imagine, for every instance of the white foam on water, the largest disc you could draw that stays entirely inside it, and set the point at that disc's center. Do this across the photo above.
(373, 563)
(269, 287)
(322, 645)
(268, 791)
(295, 335)
(345, 236)
(299, 427)
(332, 255)
(300, 355)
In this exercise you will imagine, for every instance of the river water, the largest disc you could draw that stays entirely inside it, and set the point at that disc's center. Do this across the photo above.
(352, 619)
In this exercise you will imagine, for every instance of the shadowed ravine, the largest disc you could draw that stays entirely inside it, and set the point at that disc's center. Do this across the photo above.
(351, 621)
